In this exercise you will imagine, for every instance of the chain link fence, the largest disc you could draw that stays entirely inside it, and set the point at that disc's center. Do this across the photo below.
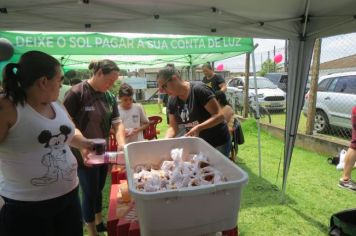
(335, 93)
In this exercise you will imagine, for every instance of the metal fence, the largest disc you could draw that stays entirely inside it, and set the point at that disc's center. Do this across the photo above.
(336, 93)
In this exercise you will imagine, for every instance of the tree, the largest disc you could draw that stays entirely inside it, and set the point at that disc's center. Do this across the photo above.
(115, 88)
(269, 66)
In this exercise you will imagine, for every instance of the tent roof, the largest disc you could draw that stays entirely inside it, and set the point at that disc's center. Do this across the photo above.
(265, 19)
(76, 50)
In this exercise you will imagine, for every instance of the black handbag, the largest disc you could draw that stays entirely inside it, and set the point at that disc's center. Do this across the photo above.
(343, 223)
(238, 133)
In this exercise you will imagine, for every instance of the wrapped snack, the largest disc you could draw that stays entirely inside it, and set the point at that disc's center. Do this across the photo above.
(207, 169)
(194, 182)
(151, 188)
(202, 164)
(185, 181)
(167, 166)
(218, 177)
(187, 168)
(209, 177)
(139, 168)
(204, 182)
(152, 183)
(176, 155)
(200, 157)
(164, 183)
(177, 173)
(176, 176)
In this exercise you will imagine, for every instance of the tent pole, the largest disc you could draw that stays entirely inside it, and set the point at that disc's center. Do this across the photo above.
(257, 111)
(190, 72)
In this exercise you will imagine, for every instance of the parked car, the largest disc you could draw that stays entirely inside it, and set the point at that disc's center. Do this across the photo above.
(269, 95)
(335, 98)
(279, 79)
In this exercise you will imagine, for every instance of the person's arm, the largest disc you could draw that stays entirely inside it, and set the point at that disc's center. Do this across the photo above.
(8, 117)
(221, 82)
(212, 106)
(223, 87)
(229, 116)
(144, 122)
(228, 113)
(118, 126)
(81, 142)
(119, 130)
(172, 128)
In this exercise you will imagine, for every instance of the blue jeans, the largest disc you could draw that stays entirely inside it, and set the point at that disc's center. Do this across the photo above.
(225, 148)
(54, 217)
(92, 182)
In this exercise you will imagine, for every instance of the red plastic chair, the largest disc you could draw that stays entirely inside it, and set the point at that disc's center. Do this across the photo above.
(112, 146)
(151, 132)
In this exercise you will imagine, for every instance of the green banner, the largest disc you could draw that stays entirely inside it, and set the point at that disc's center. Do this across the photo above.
(105, 44)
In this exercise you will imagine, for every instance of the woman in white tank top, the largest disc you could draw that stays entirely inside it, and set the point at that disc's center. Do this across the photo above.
(38, 172)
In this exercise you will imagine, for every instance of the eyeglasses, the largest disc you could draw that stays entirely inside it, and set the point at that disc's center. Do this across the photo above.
(165, 85)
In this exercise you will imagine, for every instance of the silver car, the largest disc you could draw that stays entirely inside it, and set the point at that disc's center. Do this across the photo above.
(335, 98)
(269, 95)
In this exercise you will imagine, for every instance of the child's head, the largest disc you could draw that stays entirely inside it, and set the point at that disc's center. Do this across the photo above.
(125, 96)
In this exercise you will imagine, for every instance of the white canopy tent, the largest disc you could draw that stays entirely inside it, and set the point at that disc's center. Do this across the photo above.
(300, 21)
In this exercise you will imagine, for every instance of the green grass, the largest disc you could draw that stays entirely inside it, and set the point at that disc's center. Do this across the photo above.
(279, 119)
(312, 194)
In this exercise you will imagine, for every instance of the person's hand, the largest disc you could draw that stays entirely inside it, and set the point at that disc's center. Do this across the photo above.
(128, 132)
(120, 148)
(194, 132)
(88, 146)
(134, 132)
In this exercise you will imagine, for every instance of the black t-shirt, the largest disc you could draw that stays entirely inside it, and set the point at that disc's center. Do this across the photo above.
(214, 82)
(192, 112)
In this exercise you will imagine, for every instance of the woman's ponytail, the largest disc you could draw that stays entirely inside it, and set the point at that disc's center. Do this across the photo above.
(12, 84)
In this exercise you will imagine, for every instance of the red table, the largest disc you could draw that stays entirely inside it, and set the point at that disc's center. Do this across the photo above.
(122, 217)
(118, 173)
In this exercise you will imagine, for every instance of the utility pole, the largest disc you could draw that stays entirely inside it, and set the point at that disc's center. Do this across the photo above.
(313, 87)
(274, 54)
(286, 56)
(246, 87)
(269, 58)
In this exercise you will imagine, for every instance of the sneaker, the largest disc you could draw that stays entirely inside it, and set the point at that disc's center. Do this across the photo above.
(348, 184)
(101, 228)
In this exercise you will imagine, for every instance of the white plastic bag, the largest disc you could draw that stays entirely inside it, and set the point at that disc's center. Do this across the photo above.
(2, 202)
(341, 164)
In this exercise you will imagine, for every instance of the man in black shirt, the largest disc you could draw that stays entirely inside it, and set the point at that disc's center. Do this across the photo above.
(214, 81)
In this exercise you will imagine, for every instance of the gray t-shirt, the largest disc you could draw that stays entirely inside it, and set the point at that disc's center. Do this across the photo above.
(133, 118)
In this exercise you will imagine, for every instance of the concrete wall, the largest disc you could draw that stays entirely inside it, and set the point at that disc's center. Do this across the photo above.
(318, 143)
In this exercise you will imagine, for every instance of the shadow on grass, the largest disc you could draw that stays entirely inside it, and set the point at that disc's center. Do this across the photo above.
(259, 192)
(311, 220)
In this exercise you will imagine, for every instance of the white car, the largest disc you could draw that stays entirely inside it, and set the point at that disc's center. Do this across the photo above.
(336, 96)
(269, 95)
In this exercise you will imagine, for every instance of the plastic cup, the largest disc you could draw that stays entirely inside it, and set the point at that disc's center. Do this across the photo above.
(125, 194)
(99, 146)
